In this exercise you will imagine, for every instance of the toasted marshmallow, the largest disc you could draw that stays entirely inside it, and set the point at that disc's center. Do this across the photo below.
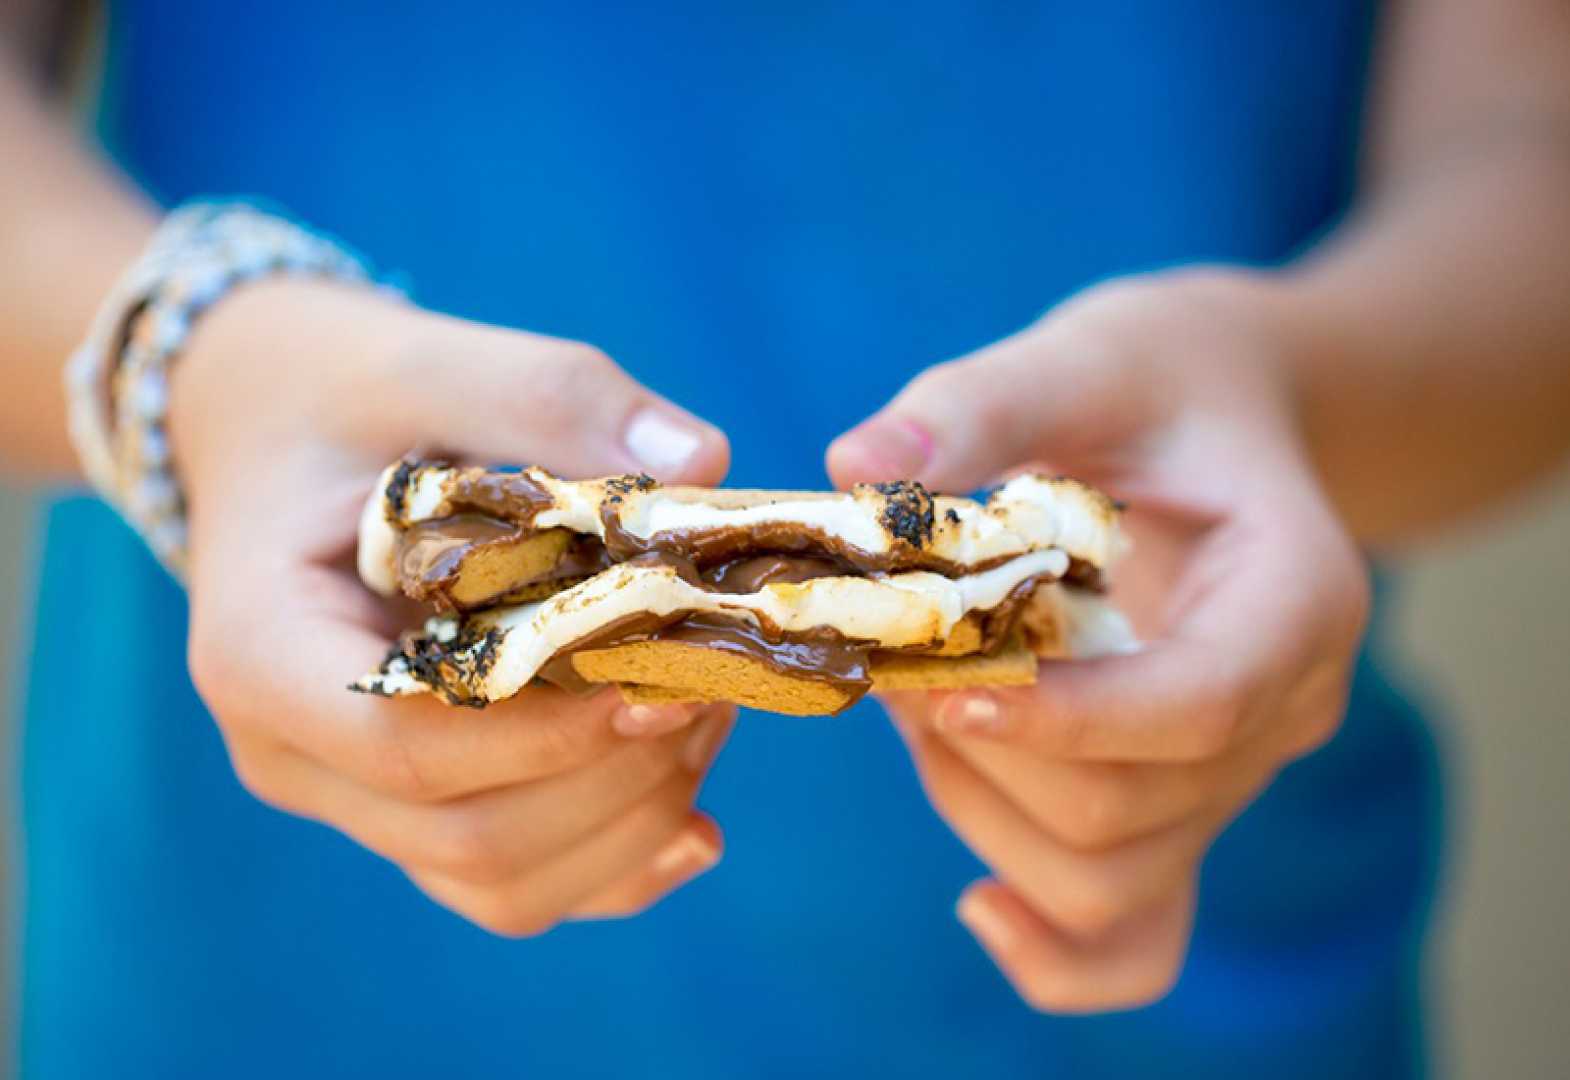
(493, 654)
(898, 523)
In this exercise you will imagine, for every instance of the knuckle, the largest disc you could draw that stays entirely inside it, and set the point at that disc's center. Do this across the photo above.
(568, 377)
(946, 796)
(467, 845)
(1359, 602)
(1214, 726)
(583, 356)
(1090, 905)
(1049, 990)
(1320, 728)
(1214, 729)
(1046, 992)
(1110, 300)
(214, 673)
(1065, 732)
(574, 365)
(393, 765)
(1109, 310)
(1097, 816)
(939, 378)
(1149, 300)
(647, 763)
(258, 775)
(558, 745)
(993, 412)
(938, 385)
(505, 918)
(624, 907)
(1152, 982)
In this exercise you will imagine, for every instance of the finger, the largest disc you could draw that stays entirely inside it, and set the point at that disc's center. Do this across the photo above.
(960, 424)
(505, 395)
(1098, 806)
(1086, 805)
(1094, 805)
(1259, 635)
(1135, 965)
(279, 665)
(1085, 894)
(639, 721)
(483, 838)
(537, 900)
(708, 738)
(1174, 702)
(696, 850)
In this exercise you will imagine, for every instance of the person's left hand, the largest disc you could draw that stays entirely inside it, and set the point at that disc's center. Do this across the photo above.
(1094, 794)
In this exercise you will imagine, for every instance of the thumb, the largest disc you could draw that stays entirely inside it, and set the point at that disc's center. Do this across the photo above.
(960, 424)
(520, 398)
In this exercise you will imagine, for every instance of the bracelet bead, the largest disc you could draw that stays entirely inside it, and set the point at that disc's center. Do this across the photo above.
(117, 382)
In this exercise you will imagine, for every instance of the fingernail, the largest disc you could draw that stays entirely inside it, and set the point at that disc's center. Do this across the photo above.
(986, 922)
(641, 721)
(689, 855)
(660, 442)
(901, 447)
(703, 745)
(970, 714)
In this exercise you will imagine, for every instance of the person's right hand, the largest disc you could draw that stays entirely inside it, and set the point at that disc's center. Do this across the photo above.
(291, 399)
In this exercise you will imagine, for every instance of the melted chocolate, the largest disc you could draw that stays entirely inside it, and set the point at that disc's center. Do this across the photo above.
(584, 556)
(431, 552)
(908, 515)
(822, 655)
(558, 670)
(998, 624)
(431, 555)
(752, 572)
(716, 547)
(500, 508)
(511, 496)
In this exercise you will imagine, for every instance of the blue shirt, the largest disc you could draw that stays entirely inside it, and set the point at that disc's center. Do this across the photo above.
(841, 192)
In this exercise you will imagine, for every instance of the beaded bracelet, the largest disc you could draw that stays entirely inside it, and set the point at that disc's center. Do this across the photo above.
(117, 382)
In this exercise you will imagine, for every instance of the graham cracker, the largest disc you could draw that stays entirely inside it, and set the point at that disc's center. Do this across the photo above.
(709, 674)
(666, 672)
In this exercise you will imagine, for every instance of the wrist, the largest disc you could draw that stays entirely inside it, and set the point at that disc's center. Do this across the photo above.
(118, 381)
(278, 359)
(1245, 346)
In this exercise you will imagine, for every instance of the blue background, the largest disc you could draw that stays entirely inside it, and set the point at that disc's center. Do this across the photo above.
(815, 201)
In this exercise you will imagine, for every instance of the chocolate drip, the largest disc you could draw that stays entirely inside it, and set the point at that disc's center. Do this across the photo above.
(489, 511)
(998, 624)
(584, 556)
(558, 670)
(822, 654)
(431, 552)
(752, 572)
(514, 497)
(708, 548)
(908, 514)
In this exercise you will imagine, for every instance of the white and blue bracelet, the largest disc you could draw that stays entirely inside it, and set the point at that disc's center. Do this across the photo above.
(117, 382)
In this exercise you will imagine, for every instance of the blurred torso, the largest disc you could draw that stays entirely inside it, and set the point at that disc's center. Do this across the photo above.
(776, 217)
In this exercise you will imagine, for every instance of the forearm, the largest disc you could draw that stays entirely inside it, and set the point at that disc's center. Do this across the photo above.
(68, 227)
(1429, 339)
